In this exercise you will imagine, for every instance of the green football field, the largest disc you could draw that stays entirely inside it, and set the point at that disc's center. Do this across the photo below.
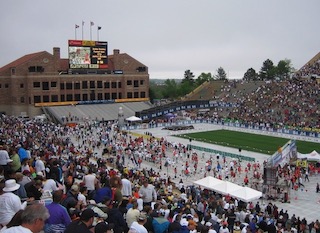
(251, 142)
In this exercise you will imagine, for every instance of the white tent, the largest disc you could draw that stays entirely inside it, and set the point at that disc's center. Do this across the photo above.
(225, 187)
(246, 194)
(313, 156)
(133, 119)
(208, 182)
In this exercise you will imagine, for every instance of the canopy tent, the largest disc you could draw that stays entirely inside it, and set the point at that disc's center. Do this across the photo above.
(133, 119)
(225, 187)
(247, 194)
(313, 156)
(208, 182)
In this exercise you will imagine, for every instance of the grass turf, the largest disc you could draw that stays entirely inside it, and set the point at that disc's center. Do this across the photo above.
(251, 142)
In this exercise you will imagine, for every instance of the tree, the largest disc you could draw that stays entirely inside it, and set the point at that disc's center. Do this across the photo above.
(250, 75)
(221, 74)
(284, 69)
(170, 90)
(188, 77)
(203, 77)
(267, 71)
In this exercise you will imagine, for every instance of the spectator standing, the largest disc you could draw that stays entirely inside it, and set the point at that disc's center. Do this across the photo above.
(148, 193)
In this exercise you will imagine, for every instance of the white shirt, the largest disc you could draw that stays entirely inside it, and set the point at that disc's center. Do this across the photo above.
(17, 229)
(4, 157)
(148, 194)
(212, 231)
(138, 227)
(89, 180)
(39, 165)
(10, 204)
(126, 187)
(50, 185)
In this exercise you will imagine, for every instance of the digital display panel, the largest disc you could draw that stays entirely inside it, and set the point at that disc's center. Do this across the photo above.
(88, 54)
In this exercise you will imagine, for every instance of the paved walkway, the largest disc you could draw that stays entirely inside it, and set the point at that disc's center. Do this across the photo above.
(304, 203)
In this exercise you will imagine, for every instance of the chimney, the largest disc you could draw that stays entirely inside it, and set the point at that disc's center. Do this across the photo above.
(116, 51)
(56, 58)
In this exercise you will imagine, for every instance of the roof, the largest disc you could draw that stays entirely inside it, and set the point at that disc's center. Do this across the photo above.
(21, 60)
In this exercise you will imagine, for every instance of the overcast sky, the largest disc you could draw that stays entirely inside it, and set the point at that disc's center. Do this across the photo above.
(169, 36)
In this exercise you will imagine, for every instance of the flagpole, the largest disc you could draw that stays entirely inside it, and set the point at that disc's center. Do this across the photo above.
(82, 29)
(75, 31)
(98, 29)
(90, 30)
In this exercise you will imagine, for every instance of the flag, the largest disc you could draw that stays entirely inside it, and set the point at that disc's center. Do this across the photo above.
(82, 23)
(99, 28)
(91, 23)
(76, 26)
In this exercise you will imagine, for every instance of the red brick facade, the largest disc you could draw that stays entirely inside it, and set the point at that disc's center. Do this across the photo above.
(45, 77)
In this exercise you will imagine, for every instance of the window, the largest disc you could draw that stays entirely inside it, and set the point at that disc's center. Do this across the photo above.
(136, 83)
(141, 82)
(106, 85)
(53, 84)
(92, 84)
(69, 86)
(106, 96)
(129, 95)
(77, 86)
(54, 98)
(61, 86)
(113, 85)
(100, 96)
(84, 85)
(6, 85)
(69, 97)
(120, 95)
(0, 85)
(141, 69)
(21, 85)
(136, 94)
(62, 97)
(92, 95)
(77, 97)
(13, 71)
(114, 96)
(143, 94)
(84, 97)
(45, 85)
(45, 98)
(99, 84)
(119, 84)
(22, 100)
(36, 84)
(37, 99)
(129, 82)
(36, 69)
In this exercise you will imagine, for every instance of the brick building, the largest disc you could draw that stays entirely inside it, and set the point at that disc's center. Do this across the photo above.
(46, 78)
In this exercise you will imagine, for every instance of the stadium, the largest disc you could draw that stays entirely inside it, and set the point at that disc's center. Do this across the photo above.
(94, 89)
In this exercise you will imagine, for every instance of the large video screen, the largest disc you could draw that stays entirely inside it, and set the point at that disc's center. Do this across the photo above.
(88, 54)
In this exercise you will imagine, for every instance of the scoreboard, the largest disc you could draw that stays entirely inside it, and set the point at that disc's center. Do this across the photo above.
(88, 54)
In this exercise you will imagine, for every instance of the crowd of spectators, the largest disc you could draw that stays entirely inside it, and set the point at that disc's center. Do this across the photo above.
(277, 104)
(60, 167)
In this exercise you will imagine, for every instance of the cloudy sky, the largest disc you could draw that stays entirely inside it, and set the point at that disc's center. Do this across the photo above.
(169, 36)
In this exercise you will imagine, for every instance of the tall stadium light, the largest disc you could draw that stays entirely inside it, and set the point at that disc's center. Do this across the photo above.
(120, 117)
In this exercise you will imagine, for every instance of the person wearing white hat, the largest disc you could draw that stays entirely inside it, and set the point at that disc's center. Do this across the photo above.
(9, 202)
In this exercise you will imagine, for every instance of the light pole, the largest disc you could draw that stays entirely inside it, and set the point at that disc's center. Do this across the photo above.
(120, 117)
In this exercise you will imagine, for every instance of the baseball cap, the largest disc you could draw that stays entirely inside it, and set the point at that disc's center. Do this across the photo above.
(87, 214)
(142, 216)
(75, 188)
(103, 227)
